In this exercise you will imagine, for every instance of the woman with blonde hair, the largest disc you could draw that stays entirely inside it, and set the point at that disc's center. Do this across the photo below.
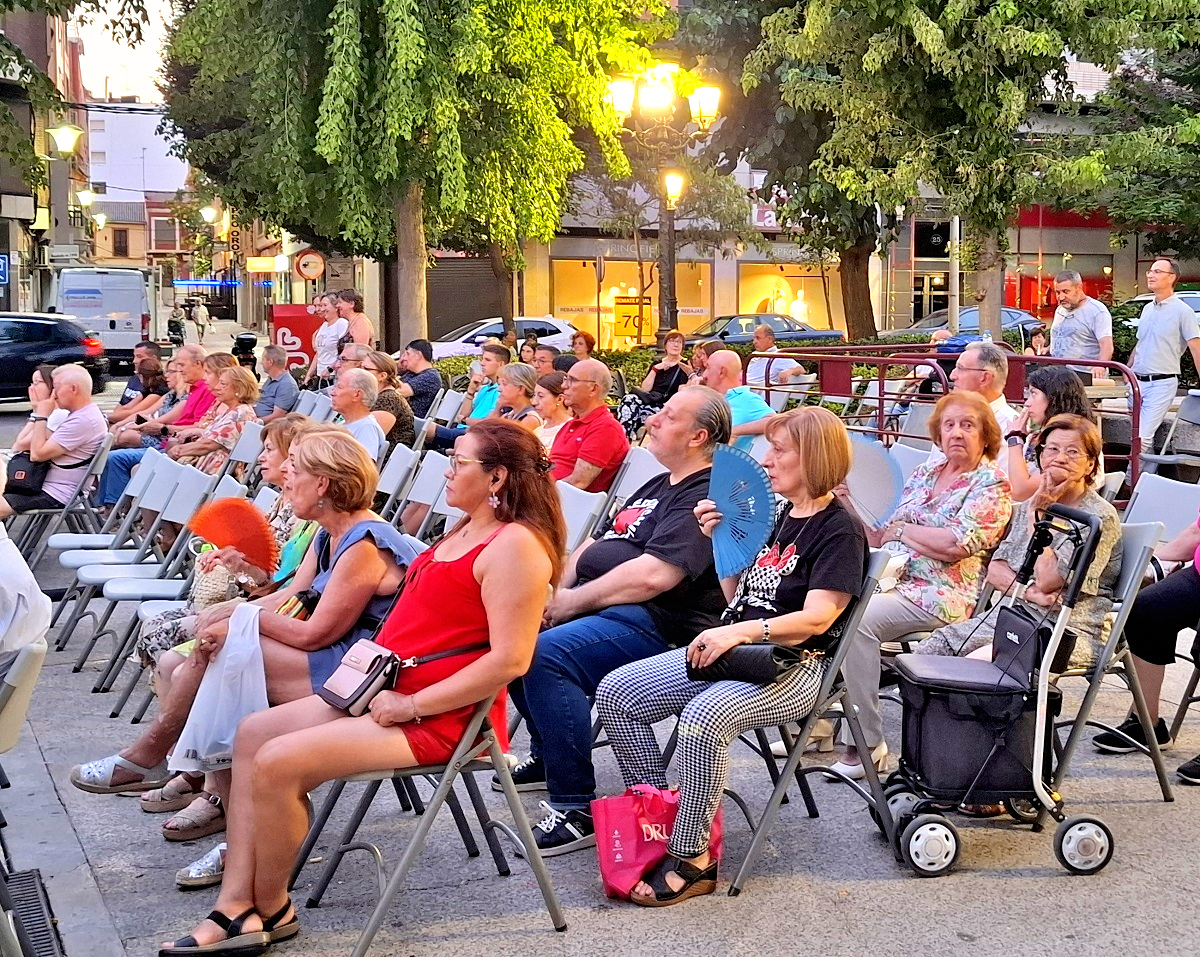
(236, 391)
(796, 593)
(518, 383)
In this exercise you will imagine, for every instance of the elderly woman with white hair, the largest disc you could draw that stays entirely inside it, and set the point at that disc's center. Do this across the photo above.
(353, 396)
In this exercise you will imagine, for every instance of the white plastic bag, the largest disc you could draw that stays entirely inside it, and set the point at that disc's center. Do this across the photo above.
(234, 686)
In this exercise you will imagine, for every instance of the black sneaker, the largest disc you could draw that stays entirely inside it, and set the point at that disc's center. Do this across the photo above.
(1190, 773)
(529, 775)
(1111, 743)
(561, 832)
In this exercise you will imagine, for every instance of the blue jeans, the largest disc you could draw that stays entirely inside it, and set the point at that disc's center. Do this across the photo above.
(555, 695)
(444, 437)
(115, 476)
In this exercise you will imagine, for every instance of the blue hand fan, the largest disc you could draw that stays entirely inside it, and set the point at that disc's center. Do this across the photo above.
(876, 481)
(744, 498)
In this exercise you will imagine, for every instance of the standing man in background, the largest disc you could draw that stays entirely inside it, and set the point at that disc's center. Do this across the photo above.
(1082, 326)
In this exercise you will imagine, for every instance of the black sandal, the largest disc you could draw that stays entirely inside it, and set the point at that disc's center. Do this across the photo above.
(277, 931)
(235, 942)
(695, 882)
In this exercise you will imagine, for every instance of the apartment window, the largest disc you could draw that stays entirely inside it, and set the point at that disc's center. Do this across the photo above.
(100, 157)
(121, 243)
(96, 126)
(99, 188)
(164, 234)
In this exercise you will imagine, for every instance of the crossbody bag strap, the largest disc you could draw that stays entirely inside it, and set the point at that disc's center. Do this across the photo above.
(448, 653)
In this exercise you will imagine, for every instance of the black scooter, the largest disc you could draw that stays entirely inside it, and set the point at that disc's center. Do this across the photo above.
(244, 344)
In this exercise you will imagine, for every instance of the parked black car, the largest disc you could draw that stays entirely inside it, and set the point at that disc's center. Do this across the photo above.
(27, 339)
(740, 329)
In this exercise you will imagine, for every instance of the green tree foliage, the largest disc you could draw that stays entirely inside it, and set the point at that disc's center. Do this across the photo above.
(930, 94)
(759, 126)
(1149, 127)
(371, 121)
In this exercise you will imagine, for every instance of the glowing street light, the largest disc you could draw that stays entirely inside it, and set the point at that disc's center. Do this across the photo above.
(100, 220)
(65, 136)
(703, 102)
(208, 214)
(86, 197)
(673, 182)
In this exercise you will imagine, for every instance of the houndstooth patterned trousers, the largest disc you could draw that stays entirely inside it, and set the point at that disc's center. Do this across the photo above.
(633, 698)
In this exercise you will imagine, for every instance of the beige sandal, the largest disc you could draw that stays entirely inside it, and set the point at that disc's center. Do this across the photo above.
(205, 815)
(175, 795)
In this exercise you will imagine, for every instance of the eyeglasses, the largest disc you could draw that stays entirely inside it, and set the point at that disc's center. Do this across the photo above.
(456, 460)
(349, 362)
(571, 380)
(1071, 455)
(971, 369)
(1158, 272)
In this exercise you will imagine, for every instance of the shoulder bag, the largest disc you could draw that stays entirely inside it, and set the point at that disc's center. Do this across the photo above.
(368, 668)
(26, 477)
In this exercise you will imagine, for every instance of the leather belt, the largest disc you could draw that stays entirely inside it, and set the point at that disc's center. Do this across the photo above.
(1155, 376)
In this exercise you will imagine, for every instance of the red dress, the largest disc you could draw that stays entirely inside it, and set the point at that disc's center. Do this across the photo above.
(441, 608)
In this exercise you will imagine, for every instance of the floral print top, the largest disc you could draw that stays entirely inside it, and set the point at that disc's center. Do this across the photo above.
(225, 430)
(977, 508)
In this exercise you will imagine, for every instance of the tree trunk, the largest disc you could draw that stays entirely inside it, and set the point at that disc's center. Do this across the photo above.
(988, 283)
(855, 277)
(412, 261)
(825, 294)
(504, 280)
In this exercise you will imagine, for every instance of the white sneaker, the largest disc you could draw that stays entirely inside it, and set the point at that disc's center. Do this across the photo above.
(855, 771)
(205, 872)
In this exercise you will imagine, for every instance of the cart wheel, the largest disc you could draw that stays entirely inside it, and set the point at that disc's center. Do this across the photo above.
(1083, 845)
(930, 845)
(893, 779)
(900, 801)
(1022, 809)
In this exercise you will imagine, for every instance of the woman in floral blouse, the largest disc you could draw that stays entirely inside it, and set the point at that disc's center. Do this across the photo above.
(236, 392)
(952, 514)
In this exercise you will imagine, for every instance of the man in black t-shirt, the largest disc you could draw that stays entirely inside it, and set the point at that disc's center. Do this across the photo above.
(420, 382)
(644, 583)
(134, 389)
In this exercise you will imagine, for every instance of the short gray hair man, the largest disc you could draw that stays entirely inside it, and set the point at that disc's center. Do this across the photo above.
(992, 358)
(274, 356)
(1069, 275)
(362, 381)
(713, 416)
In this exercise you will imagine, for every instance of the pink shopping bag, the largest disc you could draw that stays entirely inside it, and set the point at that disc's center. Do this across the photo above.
(632, 831)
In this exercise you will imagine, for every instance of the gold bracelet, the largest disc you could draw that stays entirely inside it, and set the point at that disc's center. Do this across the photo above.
(416, 717)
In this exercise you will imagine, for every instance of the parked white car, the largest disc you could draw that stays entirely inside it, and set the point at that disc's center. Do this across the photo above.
(466, 340)
(1189, 296)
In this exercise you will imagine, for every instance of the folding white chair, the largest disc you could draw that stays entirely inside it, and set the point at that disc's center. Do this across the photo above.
(77, 510)
(322, 409)
(265, 499)
(304, 403)
(154, 498)
(16, 692)
(1137, 545)
(1158, 499)
(428, 483)
(1111, 484)
(119, 529)
(477, 751)
(908, 458)
(777, 396)
(758, 448)
(245, 451)
(639, 467)
(419, 436)
(447, 407)
(1188, 413)
(832, 702)
(395, 477)
(914, 430)
(441, 512)
(581, 510)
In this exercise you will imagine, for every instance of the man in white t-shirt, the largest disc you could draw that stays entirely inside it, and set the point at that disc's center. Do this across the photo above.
(983, 367)
(353, 396)
(68, 449)
(782, 370)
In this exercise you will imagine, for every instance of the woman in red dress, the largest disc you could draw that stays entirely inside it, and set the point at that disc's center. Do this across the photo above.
(494, 569)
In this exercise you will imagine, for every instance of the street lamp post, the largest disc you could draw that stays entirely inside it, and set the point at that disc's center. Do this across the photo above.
(648, 106)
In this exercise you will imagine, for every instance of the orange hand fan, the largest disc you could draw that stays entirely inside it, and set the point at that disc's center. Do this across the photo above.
(237, 523)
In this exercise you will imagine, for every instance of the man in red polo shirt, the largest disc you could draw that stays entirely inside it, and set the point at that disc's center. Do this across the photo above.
(590, 448)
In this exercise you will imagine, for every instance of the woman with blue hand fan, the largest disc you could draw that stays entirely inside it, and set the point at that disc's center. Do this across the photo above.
(794, 594)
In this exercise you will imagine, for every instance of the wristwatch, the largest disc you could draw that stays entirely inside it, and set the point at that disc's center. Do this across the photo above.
(1015, 440)
(34, 417)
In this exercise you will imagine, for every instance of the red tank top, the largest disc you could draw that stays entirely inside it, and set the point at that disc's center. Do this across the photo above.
(441, 609)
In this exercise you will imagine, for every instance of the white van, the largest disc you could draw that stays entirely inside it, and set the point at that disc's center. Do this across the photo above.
(112, 303)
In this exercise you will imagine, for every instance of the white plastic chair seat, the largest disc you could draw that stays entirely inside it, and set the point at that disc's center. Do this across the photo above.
(148, 609)
(78, 557)
(62, 541)
(128, 589)
(99, 574)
